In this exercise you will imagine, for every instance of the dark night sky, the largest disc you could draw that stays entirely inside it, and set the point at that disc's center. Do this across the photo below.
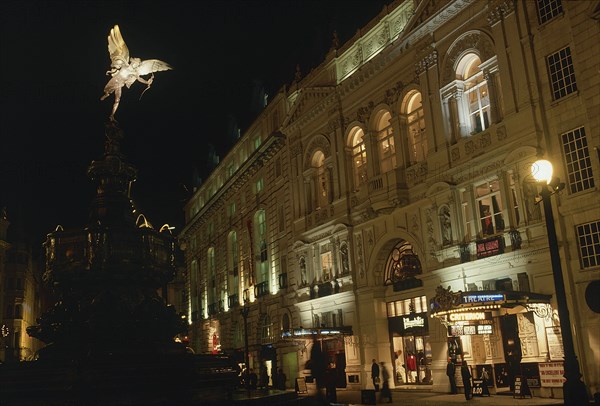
(53, 56)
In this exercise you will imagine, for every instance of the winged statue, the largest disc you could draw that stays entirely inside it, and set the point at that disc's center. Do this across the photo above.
(125, 70)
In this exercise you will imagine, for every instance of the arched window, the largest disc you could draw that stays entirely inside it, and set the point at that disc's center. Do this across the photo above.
(212, 276)
(402, 264)
(233, 263)
(415, 122)
(476, 94)
(285, 323)
(359, 156)
(262, 264)
(385, 143)
(321, 182)
(194, 294)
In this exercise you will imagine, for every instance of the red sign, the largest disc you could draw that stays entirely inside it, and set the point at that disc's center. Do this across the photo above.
(490, 247)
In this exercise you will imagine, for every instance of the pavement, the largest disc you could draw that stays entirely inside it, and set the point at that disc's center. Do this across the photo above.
(427, 398)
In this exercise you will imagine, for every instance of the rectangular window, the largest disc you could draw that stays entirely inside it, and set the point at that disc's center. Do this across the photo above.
(588, 237)
(259, 186)
(562, 74)
(491, 207)
(467, 216)
(230, 170)
(577, 159)
(548, 9)
(231, 210)
(326, 265)
(257, 142)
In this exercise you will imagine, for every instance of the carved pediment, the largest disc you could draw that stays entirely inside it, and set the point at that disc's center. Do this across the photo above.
(307, 99)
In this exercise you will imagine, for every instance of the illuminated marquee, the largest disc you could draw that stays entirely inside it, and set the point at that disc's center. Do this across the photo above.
(482, 298)
(469, 316)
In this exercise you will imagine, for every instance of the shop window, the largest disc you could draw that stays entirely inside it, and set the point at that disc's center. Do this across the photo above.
(359, 157)
(588, 241)
(385, 143)
(548, 9)
(578, 161)
(562, 73)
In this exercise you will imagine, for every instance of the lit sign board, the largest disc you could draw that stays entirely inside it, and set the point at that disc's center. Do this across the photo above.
(490, 247)
(482, 298)
(413, 322)
(469, 316)
(470, 330)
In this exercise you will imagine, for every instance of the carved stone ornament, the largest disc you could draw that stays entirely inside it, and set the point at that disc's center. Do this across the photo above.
(319, 142)
(499, 11)
(476, 41)
(443, 300)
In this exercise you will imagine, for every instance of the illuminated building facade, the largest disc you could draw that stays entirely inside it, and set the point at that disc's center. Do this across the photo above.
(385, 204)
(20, 298)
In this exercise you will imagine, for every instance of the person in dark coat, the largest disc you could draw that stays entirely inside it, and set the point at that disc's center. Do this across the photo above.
(451, 372)
(375, 375)
(466, 377)
(385, 380)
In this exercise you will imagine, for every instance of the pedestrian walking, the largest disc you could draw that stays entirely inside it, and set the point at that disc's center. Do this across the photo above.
(375, 375)
(281, 378)
(451, 372)
(385, 390)
(466, 377)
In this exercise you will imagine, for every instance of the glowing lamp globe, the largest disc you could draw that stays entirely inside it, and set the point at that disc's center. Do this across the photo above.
(541, 170)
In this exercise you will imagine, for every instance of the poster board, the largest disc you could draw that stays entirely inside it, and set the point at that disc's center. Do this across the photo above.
(521, 387)
(301, 385)
(555, 343)
(479, 388)
(551, 374)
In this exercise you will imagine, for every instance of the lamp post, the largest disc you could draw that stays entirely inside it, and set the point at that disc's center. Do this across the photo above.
(574, 390)
(244, 311)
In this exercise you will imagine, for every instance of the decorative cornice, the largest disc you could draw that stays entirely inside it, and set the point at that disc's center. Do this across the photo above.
(499, 10)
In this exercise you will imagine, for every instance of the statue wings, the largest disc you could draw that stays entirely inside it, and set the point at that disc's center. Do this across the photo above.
(125, 70)
(117, 49)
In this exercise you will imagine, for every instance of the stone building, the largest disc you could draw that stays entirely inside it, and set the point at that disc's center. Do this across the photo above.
(383, 206)
(21, 297)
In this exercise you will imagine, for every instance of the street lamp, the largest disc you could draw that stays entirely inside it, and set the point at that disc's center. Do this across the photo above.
(244, 311)
(574, 389)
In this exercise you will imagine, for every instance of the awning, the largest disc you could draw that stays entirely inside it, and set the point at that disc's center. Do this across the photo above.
(446, 301)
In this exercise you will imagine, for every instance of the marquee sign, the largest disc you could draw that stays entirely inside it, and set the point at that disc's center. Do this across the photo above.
(482, 298)
(469, 316)
(470, 330)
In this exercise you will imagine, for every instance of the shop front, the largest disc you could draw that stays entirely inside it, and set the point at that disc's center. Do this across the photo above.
(409, 337)
(509, 338)
(331, 342)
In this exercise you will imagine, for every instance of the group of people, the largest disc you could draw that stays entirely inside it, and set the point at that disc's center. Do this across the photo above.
(249, 379)
(376, 371)
(465, 374)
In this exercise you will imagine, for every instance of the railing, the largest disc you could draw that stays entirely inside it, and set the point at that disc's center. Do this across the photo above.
(283, 282)
(233, 300)
(261, 289)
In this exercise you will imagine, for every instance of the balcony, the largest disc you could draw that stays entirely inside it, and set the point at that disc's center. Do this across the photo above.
(283, 282)
(324, 289)
(261, 289)
(233, 301)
